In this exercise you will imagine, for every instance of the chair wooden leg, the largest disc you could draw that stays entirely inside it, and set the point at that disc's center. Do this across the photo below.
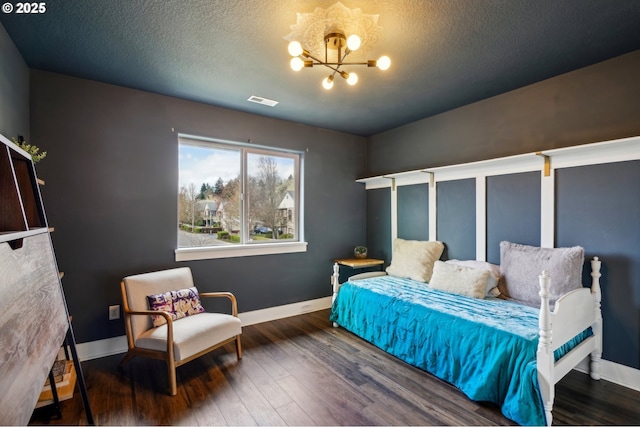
(171, 368)
(238, 347)
(126, 358)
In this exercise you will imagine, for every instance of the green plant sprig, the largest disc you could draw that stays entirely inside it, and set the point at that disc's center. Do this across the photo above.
(33, 151)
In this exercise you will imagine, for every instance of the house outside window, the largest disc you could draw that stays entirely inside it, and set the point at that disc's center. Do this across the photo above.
(287, 208)
(237, 199)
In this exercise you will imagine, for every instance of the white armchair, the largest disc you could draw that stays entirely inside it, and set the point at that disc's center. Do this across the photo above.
(176, 341)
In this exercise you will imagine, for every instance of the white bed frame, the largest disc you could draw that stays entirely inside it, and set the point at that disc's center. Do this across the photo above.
(574, 312)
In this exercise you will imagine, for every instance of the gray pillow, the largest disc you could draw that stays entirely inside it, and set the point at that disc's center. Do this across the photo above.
(520, 266)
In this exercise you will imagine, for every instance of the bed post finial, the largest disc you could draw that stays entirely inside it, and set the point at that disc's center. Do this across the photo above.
(595, 278)
(596, 354)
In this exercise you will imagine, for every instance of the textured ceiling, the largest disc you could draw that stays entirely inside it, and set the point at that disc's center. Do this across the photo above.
(445, 53)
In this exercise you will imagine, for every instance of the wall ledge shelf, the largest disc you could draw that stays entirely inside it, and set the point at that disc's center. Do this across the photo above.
(618, 150)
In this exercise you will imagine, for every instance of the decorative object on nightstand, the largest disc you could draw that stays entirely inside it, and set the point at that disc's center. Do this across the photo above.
(360, 252)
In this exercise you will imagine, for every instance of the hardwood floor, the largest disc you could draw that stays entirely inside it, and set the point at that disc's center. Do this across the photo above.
(301, 371)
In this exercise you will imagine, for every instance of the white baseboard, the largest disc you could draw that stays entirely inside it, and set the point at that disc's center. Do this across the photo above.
(615, 373)
(116, 345)
(609, 371)
(282, 311)
(101, 348)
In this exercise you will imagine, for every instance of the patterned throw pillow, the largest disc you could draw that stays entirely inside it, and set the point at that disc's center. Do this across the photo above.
(179, 304)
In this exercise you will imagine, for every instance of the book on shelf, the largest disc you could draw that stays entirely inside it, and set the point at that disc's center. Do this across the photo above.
(61, 371)
(64, 387)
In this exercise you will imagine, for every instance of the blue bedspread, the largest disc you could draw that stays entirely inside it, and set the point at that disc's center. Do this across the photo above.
(486, 348)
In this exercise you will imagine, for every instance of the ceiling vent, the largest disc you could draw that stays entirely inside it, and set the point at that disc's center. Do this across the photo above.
(263, 101)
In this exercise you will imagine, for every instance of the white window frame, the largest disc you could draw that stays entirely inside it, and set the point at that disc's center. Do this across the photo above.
(249, 249)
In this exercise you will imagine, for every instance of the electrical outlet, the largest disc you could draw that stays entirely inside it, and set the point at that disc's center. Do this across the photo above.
(114, 312)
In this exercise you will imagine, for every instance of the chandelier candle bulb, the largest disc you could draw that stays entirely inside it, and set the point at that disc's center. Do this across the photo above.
(296, 64)
(353, 42)
(295, 48)
(384, 63)
(327, 83)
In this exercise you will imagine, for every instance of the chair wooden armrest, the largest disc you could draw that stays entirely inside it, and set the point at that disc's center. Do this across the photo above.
(234, 302)
(148, 313)
(164, 314)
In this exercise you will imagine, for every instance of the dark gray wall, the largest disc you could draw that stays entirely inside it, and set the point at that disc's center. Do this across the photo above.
(379, 224)
(14, 90)
(111, 194)
(596, 103)
(513, 211)
(413, 212)
(456, 218)
(598, 208)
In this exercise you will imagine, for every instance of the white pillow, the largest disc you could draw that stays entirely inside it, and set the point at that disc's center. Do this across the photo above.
(458, 279)
(414, 259)
(493, 269)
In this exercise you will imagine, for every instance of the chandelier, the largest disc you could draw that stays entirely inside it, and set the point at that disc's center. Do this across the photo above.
(324, 33)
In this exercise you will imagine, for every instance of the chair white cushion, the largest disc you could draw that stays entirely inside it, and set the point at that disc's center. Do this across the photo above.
(192, 334)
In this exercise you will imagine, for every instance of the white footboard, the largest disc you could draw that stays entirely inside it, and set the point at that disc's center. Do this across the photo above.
(573, 313)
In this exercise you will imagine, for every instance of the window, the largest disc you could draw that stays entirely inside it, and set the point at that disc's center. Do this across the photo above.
(237, 199)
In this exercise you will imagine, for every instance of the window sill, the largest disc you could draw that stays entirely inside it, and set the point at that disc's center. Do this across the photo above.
(192, 254)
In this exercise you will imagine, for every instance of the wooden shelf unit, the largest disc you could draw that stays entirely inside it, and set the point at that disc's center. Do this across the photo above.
(33, 312)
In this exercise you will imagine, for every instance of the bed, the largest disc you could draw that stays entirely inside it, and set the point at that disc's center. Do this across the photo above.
(498, 349)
